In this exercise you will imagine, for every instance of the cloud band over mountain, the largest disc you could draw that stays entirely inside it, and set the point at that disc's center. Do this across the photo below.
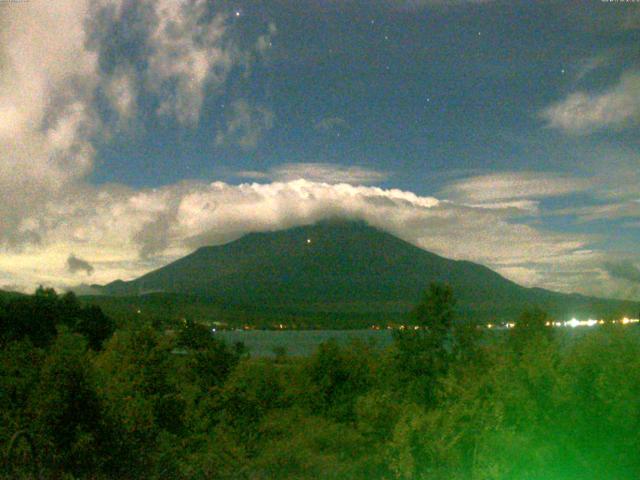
(92, 92)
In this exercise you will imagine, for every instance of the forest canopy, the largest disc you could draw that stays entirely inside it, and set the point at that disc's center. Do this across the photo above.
(87, 396)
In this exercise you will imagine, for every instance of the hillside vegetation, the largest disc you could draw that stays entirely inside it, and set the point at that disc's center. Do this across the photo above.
(84, 396)
(337, 274)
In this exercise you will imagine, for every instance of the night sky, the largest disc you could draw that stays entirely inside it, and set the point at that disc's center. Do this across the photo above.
(502, 132)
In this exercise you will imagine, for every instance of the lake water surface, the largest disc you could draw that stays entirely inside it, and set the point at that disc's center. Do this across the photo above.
(262, 343)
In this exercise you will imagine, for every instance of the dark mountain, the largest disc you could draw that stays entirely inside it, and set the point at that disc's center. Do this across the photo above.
(345, 269)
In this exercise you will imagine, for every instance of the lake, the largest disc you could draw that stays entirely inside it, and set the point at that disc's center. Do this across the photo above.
(261, 343)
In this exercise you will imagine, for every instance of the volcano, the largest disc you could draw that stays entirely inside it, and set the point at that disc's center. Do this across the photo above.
(346, 268)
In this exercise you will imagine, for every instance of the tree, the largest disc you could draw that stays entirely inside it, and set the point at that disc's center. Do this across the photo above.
(253, 389)
(94, 325)
(39, 316)
(210, 360)
(68, 416)
(531, 327)
(34, 317)
(435, 311)
(193, 335)
(135, 382)
(423, 355)
(337, 376)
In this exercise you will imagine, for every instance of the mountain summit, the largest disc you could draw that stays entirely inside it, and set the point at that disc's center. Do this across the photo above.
(348, 267)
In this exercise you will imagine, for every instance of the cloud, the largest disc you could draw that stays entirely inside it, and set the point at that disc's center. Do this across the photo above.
(609, 193)
(417, 4)
(73, 72)
(409, 5)
(75, 264)
(330, 124)
(246, 124)
(319, 172)
(264, 42)
(46, 116)
(178, 51)
(187, 53)
(512, 189)
(602, 211)
(121, 91)
(128, 232)
(625, 271)
(591, 64)
(581, 113)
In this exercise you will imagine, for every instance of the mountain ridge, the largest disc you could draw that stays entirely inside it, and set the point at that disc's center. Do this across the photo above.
(348, 266)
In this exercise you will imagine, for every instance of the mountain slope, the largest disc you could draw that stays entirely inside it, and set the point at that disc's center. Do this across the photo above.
(347, 267)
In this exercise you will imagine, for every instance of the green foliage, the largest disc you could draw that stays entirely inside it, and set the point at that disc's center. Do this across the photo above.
(94, 325)
(377, 412)
(66, 410)
(423, 355)
(437, 404)
(193, 335)
(33, 317)
(251, 391)
(210, 361)
(38, 317)
(531, 326)
(135, 383)
(337, 376)
(435, 311)
(310, 447)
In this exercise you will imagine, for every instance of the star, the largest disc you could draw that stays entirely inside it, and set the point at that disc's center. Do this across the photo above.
(237, 13)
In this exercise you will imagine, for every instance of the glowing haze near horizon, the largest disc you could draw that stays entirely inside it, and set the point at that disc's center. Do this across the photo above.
(503, 132)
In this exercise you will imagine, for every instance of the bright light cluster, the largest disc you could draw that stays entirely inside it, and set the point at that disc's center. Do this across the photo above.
(626, 320)
(573, 323)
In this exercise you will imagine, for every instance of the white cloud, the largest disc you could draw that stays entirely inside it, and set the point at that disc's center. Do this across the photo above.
(117, 228)
(246, 124)
(47, 79)
(623, 270)
(603, 211)
(121, 91)
(319, 172)
(55, 67)
(187, 54)
(514, 189)
(582, 112)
